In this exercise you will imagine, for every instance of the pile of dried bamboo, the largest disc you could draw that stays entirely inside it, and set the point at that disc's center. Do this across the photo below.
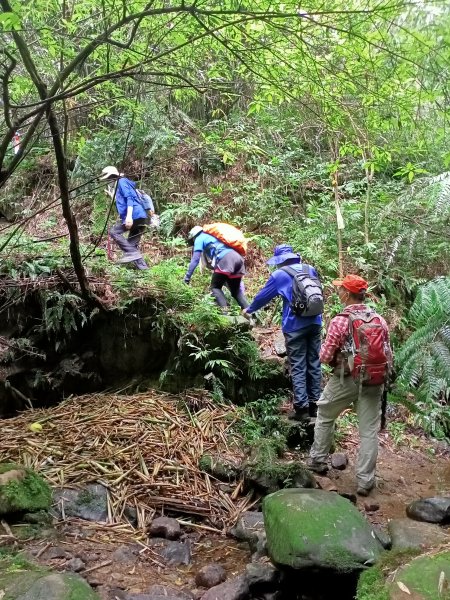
(144, 448)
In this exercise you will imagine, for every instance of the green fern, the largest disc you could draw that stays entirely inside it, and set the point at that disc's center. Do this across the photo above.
(424, 359)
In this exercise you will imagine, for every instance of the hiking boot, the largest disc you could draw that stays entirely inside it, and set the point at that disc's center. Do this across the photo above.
(126, 258)
(316, 466)
(312, 409)
(300, 414)
(364, 491)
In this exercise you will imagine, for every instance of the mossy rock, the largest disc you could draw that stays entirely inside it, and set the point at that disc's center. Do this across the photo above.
(22, 490)
(277, 475)
(314, 529)
(426, 577)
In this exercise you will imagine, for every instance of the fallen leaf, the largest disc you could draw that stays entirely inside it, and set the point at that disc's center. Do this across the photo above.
(441, 583)
(403, 587)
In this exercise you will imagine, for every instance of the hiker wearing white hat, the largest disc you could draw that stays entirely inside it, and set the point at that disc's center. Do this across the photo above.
(133, 216)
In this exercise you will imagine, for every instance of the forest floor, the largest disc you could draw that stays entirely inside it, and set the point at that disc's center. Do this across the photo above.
(409, 467)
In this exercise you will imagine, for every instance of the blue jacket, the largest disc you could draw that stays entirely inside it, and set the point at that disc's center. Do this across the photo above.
(126, 195)
(208, 244)
(280, 284)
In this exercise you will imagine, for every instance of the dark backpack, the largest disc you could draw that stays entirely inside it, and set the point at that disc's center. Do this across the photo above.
(366, 347)
(307, 294)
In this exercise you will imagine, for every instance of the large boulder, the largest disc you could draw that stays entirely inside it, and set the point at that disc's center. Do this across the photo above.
(424, 578)
(314, 529)
(28, 584)
(431, 510)
(22, 490)
(409, 535)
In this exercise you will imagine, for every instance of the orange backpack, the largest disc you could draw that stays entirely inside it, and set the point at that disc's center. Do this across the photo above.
(229, 235)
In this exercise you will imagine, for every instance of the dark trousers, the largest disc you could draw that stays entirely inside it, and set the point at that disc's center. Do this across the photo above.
(130, 244)
(303, 347)
(218, 280)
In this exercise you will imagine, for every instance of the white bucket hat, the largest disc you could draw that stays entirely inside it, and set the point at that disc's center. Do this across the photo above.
(108, 172)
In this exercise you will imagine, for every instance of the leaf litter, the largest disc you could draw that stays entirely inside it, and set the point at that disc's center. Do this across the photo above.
(144, 448)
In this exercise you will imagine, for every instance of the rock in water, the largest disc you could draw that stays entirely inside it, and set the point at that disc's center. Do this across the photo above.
(314, 529)
(165, 527)
(22, 490)
(424, 578)
(431, 510)
(406, 534)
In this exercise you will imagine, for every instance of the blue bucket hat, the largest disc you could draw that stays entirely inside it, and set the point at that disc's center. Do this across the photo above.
(282, 253)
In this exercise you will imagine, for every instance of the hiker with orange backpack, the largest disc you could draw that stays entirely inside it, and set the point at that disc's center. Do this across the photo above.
(357, 347)
(226, 262)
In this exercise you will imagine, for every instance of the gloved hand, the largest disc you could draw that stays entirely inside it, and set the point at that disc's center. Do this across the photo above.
(128, 223)
(245, 314)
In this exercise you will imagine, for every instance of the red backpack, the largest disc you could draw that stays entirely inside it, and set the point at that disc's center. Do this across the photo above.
(366, 347)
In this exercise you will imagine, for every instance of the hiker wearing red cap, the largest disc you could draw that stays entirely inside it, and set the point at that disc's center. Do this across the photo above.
(357, 347)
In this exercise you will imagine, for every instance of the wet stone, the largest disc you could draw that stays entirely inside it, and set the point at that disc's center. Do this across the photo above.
(210, 576)
(260, 575)
(339, 461)
(165, 527)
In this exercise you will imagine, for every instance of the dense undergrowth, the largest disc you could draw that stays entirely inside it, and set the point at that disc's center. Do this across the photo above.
(259, 173)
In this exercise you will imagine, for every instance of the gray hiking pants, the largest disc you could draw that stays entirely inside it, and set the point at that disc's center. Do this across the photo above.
(130, 245)
(336, 397)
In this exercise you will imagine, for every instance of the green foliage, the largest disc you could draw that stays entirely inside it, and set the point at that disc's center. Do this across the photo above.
(261, 419)
(424, 359)
(29, 494)
(371, 585)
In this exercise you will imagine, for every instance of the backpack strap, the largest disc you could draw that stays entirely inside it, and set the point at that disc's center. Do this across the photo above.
(290, 271)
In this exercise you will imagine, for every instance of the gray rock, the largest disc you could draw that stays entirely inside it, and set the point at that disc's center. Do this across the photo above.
(174, 553)
(234, 589)
(165, 591)
(279, 345)
(75, 564)
(165, 527)
(210, 575)
(261, 575)
(90, 503)
(126, 554)
(431, 510)
(407, 534)
(250, 528)
(339, 461)
(56, 552)
(383, 537)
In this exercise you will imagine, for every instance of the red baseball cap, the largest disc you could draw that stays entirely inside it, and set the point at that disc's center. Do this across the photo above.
(352, 283)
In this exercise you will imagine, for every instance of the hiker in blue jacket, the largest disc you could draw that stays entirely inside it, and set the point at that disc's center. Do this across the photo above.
(133, 217)
(302, 334)
(227, 265)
